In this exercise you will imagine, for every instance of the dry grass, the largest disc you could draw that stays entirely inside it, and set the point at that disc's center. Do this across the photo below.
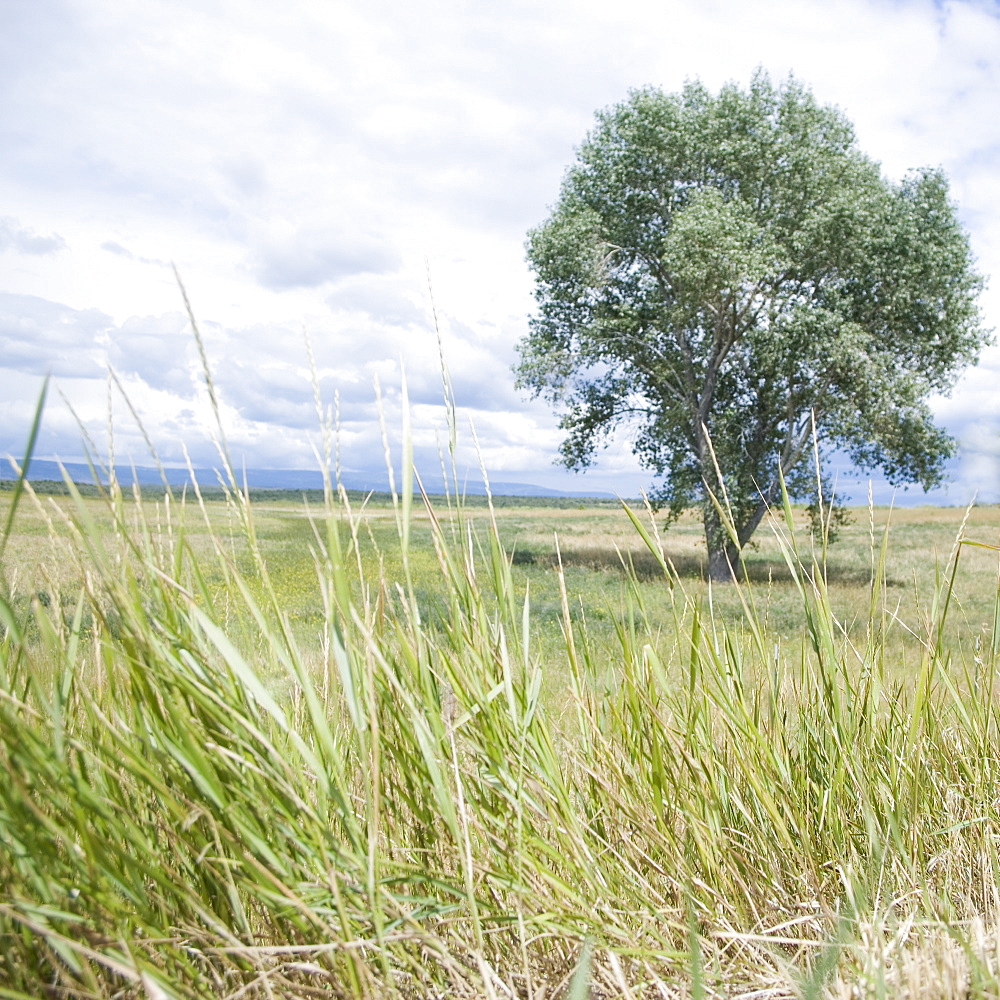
(250, 753)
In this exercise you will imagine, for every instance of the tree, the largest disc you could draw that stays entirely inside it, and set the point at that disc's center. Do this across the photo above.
(724, 275)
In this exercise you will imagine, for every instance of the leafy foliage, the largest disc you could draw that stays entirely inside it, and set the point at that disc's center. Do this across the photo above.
(725, 275)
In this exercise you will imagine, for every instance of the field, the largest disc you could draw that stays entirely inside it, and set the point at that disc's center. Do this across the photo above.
(276, 747)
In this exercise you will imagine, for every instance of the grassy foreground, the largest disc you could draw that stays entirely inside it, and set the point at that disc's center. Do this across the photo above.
(406, 785)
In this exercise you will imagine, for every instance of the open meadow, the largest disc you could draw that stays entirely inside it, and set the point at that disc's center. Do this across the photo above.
(348, 747)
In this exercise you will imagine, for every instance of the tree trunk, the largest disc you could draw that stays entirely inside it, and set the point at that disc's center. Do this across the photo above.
(723, 555)
(724, 563)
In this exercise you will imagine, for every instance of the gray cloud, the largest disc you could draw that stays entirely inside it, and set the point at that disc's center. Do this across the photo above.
(482, 383)
(379, 298)
(158, 349)
(119, 251)
(269, 391)
(14, 237)
(38, 336)
(312, 258)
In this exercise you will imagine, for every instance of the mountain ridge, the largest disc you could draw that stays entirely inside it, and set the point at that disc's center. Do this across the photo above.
(278, 479)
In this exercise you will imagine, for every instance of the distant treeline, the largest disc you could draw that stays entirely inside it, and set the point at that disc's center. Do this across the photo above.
(55, 487)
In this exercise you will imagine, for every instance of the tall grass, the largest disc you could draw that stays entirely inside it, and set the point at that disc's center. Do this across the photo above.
(190, 808)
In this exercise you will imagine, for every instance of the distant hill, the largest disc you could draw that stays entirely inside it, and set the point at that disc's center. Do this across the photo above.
(280, 479)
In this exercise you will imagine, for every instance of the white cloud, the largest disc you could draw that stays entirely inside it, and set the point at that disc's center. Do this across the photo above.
(306, 166)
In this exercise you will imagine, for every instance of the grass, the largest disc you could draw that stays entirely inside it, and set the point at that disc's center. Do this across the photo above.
(254, 748)
(599, 551)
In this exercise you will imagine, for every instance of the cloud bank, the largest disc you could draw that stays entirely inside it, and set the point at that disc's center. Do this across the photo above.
(351, 171)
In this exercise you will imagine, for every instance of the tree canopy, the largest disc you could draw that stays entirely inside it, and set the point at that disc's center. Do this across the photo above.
(722, 275)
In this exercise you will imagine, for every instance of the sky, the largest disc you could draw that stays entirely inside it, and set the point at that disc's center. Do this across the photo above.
(337, 173)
